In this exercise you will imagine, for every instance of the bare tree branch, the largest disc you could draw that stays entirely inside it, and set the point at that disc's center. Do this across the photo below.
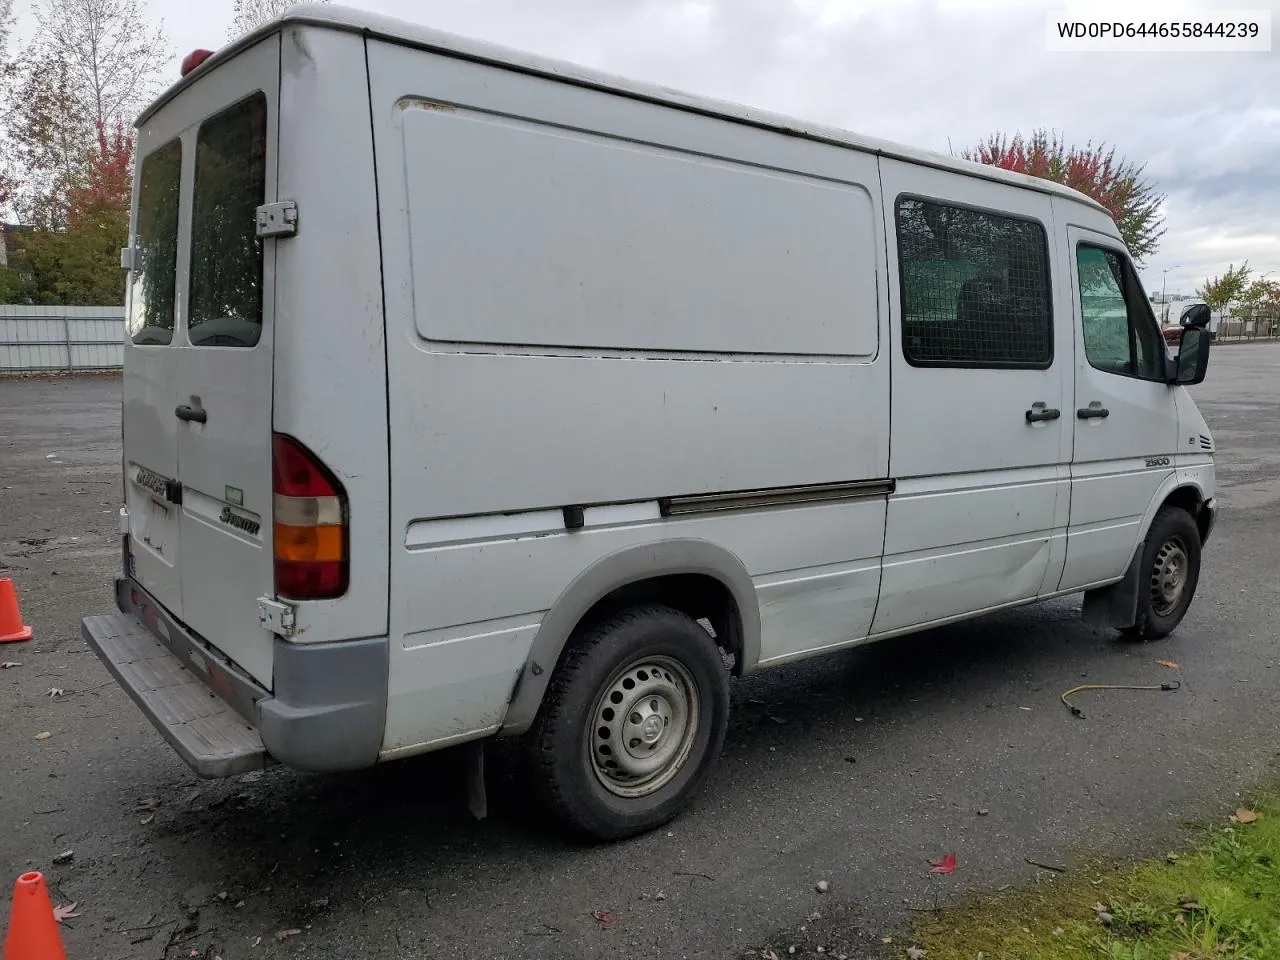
(250, 14)
(92, 65)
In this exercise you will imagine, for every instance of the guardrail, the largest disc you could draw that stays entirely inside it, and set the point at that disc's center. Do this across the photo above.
(67, 339)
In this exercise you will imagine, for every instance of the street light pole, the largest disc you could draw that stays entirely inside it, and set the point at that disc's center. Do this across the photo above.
(1164, 280)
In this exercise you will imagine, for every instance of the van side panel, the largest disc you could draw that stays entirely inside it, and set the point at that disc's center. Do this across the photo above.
(330, 372)
(594, 301)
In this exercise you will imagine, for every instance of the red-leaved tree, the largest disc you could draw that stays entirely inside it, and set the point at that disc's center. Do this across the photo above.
(1096, 171)
(104, 187)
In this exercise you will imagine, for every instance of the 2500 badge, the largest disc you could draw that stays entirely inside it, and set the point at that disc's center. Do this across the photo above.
(1158, 461)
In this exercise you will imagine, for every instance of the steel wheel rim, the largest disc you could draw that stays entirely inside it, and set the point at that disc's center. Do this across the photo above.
(1169, 576)
(643, 726)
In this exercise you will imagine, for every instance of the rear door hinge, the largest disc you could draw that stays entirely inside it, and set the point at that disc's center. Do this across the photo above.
(128, 258)
(279, 618)
(278, 219)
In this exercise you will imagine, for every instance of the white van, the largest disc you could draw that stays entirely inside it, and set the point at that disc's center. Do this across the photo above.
(470, 394)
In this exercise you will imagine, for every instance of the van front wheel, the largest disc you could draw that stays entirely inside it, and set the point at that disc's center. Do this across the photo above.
(631, 723)
(1169, 575)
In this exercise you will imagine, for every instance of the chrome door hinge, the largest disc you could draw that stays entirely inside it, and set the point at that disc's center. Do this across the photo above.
(279, 618)
(278, 219)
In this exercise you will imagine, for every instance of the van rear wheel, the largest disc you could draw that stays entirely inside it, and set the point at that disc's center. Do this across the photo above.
(1169, 574)
(631, 724)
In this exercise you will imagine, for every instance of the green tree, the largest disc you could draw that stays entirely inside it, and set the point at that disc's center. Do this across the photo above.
(1260, 300)
(1116, 183)
(78, 262)
(1220, 291)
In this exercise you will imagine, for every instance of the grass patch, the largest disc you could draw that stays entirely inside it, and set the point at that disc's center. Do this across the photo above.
(1218, 901)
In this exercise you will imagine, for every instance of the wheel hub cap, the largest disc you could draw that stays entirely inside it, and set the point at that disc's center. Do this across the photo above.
(1168, 577)
(643, 726)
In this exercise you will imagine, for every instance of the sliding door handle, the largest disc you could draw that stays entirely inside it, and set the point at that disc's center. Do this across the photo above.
(1093, 413)
(191, 414)
(1040, 413)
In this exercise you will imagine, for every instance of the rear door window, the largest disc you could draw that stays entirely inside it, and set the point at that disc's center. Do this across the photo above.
(152, 284)
(226, 253)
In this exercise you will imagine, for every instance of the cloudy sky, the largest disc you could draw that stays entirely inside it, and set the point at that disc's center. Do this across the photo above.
(937, 74)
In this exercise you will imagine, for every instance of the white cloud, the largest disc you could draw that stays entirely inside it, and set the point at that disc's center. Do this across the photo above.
(929, 73)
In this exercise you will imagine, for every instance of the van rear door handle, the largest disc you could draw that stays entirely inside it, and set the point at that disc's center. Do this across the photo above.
(191, 414)
(1039, 413)
(1093, 413)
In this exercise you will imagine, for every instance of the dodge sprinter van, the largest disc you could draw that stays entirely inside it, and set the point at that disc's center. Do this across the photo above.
(469, 394)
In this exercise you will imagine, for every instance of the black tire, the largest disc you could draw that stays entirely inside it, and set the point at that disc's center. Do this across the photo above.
(567, 763)
(1173, 538)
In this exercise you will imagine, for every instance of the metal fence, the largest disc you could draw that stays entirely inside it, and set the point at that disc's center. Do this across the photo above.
(70, 339)
(1262, 329)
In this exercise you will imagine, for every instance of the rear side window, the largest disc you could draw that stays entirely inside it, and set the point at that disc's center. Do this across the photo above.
(975, 287)
(154, 277)
(226, 254)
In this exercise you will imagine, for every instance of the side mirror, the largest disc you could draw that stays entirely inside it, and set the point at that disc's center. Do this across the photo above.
(1193, 355)
(1197, 317)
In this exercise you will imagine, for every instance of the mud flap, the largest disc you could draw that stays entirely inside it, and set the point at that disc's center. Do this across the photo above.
(477, 801)
(1117, 605)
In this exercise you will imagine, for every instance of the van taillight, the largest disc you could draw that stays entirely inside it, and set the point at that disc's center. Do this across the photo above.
(310, 524)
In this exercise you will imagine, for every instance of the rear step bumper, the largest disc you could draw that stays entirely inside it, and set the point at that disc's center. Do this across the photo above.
(326, 714)
(213, 739)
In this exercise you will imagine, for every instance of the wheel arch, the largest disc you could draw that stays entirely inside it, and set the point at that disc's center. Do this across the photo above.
(697, 577)
(1116, 605)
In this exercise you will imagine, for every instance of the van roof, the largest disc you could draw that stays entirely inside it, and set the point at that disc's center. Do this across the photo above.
(403, 32)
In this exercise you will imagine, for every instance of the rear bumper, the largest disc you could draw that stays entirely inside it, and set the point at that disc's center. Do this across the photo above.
(326, 713)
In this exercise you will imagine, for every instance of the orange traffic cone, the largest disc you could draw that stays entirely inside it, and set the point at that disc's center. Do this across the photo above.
(33, 929)
(11, 626)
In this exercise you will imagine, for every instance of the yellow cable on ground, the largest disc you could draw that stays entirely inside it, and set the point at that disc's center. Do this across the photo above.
(1076, 711)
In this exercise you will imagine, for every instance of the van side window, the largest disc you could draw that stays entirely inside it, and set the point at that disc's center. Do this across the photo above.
(226, 254)
(975, 288)
(1120, 334)
(152, 284)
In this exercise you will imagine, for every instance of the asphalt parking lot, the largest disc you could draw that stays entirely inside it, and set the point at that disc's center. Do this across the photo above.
(856, 769)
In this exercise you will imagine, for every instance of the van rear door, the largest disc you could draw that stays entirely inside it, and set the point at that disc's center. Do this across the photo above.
(223, 397)
(202, 411)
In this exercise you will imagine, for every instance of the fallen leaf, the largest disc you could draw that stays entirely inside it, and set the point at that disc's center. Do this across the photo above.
(886, 939)
(146, 805)
(1171, 664)
(916, 953)
(945, 864)
(44, 736)
(9, 665)
(1179, 956)
(1180, 920)
(604, 917)
(286, 934)
(65, 857)
(1245, 816)
(54, 692)
(69, 912)
(147, 819)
